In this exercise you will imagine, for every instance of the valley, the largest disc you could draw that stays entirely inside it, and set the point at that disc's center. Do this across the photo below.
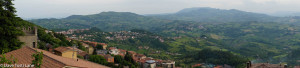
(257, 36)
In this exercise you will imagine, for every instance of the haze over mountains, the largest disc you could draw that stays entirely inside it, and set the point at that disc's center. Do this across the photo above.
(215, 15)
(285, 13)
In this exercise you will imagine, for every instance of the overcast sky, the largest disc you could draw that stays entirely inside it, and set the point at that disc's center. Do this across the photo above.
(63, 8)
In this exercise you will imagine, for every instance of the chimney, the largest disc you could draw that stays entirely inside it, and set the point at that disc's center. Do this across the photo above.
(35, 31)
(248, 65)
(285, 66)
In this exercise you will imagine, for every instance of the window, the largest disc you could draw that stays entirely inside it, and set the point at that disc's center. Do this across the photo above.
(33, 44)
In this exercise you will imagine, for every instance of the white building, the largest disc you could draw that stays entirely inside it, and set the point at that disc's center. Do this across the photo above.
(149, 64)
(114, 51)
(168, 64)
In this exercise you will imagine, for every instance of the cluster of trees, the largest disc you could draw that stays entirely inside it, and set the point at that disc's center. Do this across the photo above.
(126, 61)
(53, 39)
(220, 58)
(100, 60)
(294, 57)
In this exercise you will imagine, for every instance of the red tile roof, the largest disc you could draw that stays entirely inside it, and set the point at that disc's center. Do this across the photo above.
(196, 65)
(218, 66)
(267, 65)
(110, 48)
(50, 60)
(123, 51)
(62, 49)
(131, 52)
(103, 44)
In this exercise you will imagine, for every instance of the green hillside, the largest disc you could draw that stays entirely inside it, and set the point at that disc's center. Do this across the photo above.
(107, 21)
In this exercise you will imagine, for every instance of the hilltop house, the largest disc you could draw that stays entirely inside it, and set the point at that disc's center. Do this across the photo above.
(50, 60)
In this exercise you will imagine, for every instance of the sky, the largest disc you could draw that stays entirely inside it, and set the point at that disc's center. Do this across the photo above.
(64, 8)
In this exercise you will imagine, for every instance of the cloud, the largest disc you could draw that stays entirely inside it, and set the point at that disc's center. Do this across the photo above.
(62, 8)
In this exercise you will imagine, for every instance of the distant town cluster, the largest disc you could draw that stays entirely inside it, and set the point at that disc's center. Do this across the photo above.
(144, 61)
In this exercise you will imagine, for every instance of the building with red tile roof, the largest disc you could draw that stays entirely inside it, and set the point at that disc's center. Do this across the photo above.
(24, 56)
(103, 45)
(68, 52)
(109, 58)
(218, 66)
(265, 65)
(132, 53)
(65, 52)
(90, 48)
(196, 65)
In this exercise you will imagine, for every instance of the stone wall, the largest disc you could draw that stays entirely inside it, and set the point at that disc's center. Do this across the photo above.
(30, 41)
(30, 38)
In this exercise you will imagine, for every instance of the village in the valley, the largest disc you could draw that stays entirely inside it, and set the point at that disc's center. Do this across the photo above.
(107, 51)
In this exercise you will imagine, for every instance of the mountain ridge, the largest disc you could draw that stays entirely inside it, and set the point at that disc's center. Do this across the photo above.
(214, 15)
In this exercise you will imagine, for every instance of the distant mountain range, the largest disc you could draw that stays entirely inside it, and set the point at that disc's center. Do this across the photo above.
(215, 15)
(116, 21)
(285, 14)
(107, 21)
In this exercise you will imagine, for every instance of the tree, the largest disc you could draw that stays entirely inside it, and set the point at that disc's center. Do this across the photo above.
(98, 59)
(4, 60)
(100, 47)
(220, 57)
(127, 61)
(9, 32)
(118, 59)
(38, 59)
(129, 58)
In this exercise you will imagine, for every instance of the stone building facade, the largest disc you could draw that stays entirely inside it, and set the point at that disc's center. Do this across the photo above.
(30, 37)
